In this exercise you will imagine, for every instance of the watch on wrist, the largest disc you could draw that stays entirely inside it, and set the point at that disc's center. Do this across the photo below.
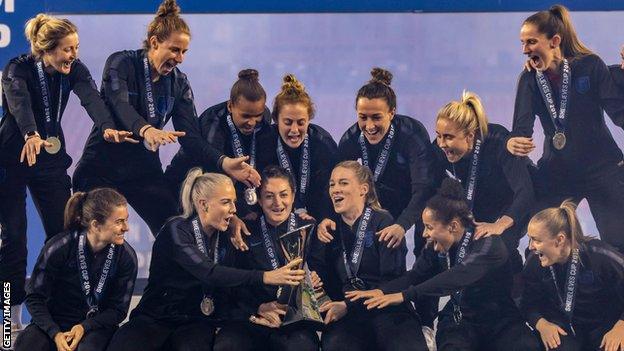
(31, 134)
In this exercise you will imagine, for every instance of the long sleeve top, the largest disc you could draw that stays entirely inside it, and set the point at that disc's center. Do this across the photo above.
(55, 298)
(323, 158)
(504, 186)
(592, 92)
(215, 132)
(407, 181)
(599, 291)
(180, 274)
(123, 90)
(481, 276)
(246, 300)
(24, 109)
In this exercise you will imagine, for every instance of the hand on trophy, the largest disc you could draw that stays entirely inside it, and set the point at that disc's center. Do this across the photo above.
(317, 283)
(289, 274)
(323, 230)
(269, 314)
(363, 294)
(335, 310)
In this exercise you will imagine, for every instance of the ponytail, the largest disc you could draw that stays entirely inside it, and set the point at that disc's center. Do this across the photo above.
(562, 219)
(364, 176)
(84, 207)
(468, 114)
(198, 184)
(45, 32)
(557, 20)
(166, 22)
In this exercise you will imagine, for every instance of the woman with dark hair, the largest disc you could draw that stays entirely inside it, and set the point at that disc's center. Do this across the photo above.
(396, 149)
(235, 133)
(362, 263)
(182, 303)
(256, 313)
(569, 88)
(145, 89)
(480, 314)
(83, 280)
(574, 285)
(35, 91)
(473, 151)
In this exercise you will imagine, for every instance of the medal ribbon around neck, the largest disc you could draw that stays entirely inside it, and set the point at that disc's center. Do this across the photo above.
(559, 120)
(304, 169)
(93, 297)
(384, 156)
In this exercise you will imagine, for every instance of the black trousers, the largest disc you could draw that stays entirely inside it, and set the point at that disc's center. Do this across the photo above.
(393, 328)
(604, 191)
(34, 338)
(587, 338)
(243, 336)
(147, 334)
(149, 196)
(50, 189)
(513, 335)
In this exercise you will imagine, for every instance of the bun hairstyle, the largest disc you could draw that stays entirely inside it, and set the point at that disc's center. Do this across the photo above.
(198, 184)
(44, 33)
(248, 86)
(84, 207)
(556, 20)
(166, 22)
(562, 219)
(364, 176)
(293, 92)
(450, 203)
(468, 114)
(378, 88)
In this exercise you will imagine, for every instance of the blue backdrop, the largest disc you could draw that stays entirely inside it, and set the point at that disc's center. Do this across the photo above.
(434, 48)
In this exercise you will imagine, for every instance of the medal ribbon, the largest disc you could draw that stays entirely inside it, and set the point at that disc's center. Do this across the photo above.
(304, 171)
(93, 297)
(384, 156)
(237, 145)
(570, 286)
(547, 96)
(269, 248)
(50, 125)
(352, 265)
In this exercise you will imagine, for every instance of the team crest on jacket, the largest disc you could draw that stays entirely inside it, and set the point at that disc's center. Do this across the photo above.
(582, 84)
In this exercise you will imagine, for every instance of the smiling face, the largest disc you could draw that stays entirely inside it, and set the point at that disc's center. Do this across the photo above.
(63, 55)
(166, 55)
(347, 193)
(217, 211)
(113, 229)
(246, 114)
(441, 236)
(374, 118)
(550, 249)
(544, 53)
(276, 200)
(455, 142)
(292, 124)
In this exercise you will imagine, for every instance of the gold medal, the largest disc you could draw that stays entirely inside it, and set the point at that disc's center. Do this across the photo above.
(207, 306)
(251, 198)
(559, 140)
(56, 145)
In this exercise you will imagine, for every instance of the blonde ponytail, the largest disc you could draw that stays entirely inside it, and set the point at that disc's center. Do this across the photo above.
(562, 219)
(44, 33)
(198, 184)
(468, 114)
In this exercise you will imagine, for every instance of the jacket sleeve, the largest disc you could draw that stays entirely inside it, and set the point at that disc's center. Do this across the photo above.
(118, 301)
(50, 263)
(391, 260)
(611, 97)
(421, 163)
(15, 86)
(611, 267)
(188, 256)
(86, 90)
(486, 255)
(117, 74)
(424, 268)
(525, 106)
(321, 204)
(516, 171)
(185, 120)
(534, 300)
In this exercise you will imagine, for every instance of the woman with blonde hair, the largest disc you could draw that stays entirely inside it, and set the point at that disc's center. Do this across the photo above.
(498, 186)
(35, 90)
(569, 88)
(363, 262)
(574, 285)
(182, 301)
